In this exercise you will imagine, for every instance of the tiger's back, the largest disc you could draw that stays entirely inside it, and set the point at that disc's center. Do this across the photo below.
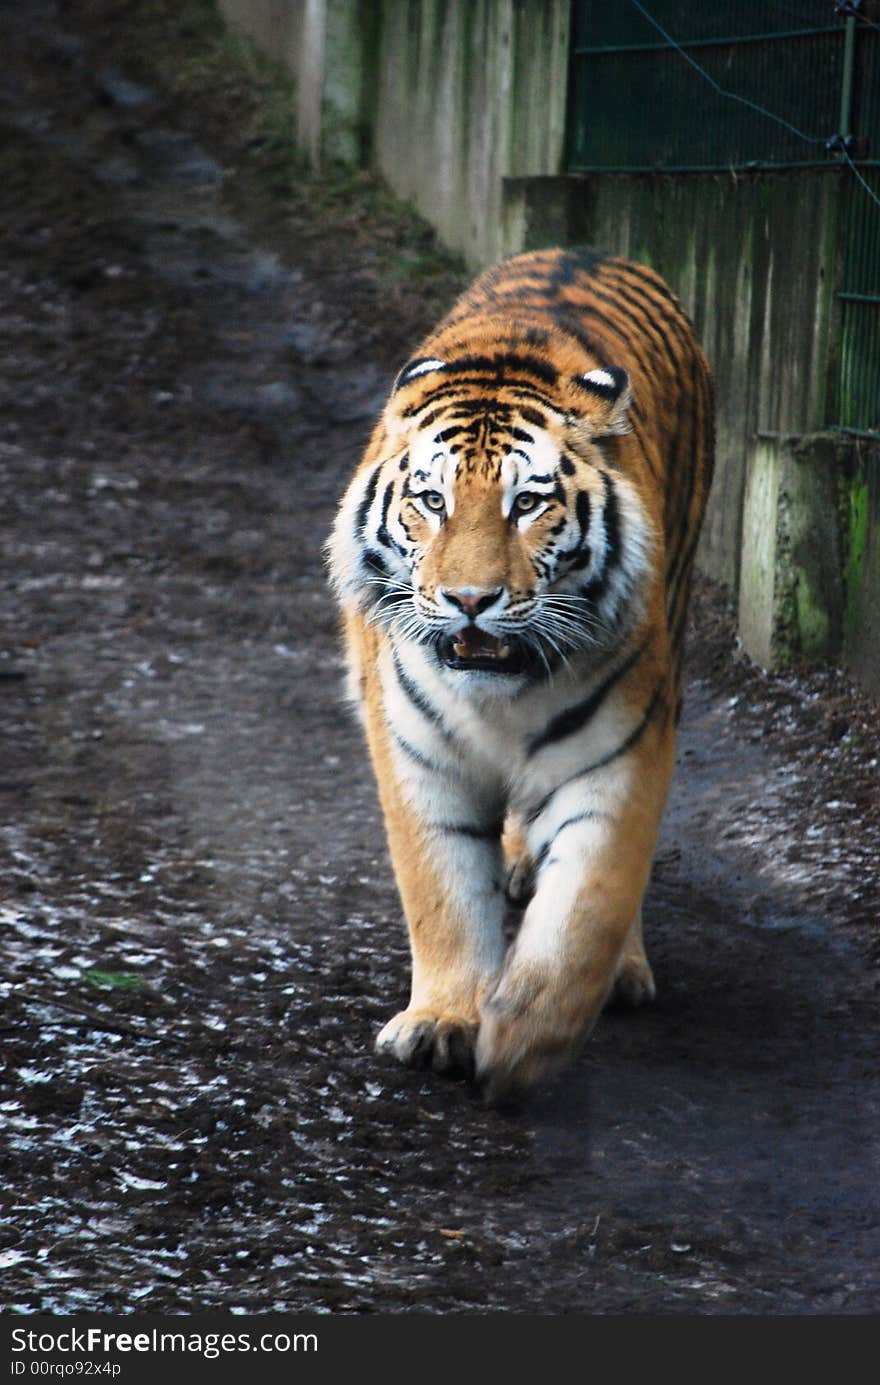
(513, 557)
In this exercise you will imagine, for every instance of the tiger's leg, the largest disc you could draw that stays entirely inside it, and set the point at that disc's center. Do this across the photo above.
(593, 841)
(443, 833)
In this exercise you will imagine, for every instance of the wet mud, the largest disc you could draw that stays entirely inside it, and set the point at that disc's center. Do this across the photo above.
(199, 934)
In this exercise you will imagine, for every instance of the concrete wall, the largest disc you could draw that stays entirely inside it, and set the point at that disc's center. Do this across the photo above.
(792, 594)
(328, 47)
(810, 582)
(467, 94)
(861, 570)
(444, 97)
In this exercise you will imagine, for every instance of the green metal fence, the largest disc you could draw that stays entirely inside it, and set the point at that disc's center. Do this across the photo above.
(684, 86)
(858, 399)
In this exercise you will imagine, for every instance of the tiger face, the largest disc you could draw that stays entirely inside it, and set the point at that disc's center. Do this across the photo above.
(496, 532)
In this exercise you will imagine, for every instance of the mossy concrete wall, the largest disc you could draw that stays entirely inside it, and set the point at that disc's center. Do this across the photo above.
(468, 94)
(810, 582)
(444, 97)
(792, 589)
(328, 47)
(860, 507)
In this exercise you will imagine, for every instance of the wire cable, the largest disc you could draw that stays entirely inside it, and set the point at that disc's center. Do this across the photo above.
(861, 19)
(833, 145)
(722, 91)
(864, 182)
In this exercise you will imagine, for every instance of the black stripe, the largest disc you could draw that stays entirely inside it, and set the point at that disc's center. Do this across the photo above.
(467, 829)
(533, 416)
(386, 505)
(477, 404)
(660, 307)
(566, 723)
(652, 282)
(460, 387)
(582, 510)
(635, 736)
(418, 698)
(497, 365)
(568, 318)
(694, 455)
(603, 326)
(363, 509)
(631, 740)
(415, 755)
(382, 535)
(587, 816)
(578, 262)
(580, 553)
(551, 841)
(540, 858)
(646, 315)
(536, 336)
(576, 559)
(375, 562)
(611, 518)
(429, 418)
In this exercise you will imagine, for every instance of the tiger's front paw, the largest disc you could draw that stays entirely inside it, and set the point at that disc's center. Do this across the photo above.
(530, 1027)
(424, 1039)
(520, 885)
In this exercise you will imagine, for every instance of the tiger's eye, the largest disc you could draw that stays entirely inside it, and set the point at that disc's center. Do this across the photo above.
(434, 501)
(525, 502)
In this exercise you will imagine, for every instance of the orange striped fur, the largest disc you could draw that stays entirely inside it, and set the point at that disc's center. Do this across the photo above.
(513, 559)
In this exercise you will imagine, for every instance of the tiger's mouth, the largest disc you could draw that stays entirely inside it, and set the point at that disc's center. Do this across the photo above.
(475, 649)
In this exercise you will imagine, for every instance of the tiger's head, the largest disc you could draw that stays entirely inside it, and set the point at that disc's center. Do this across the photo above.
(493, 524)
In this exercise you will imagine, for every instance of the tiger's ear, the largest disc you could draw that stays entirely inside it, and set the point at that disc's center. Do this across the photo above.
(609, 395)
(420, 366)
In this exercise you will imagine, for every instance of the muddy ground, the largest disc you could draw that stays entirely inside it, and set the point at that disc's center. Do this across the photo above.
(200, 935)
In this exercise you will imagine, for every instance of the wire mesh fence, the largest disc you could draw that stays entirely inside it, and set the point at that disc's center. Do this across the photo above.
(683, 87)
(858, 390)
(638, 103)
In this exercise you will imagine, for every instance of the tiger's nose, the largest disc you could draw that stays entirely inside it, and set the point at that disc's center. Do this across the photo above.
(471, 600)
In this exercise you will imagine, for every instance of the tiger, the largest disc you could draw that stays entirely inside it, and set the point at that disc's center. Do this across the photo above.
(512, 560)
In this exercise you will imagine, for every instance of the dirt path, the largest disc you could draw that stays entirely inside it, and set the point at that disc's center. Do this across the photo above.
(198, 931)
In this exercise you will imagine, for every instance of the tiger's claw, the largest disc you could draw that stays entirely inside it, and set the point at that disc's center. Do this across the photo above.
(422, 1039)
